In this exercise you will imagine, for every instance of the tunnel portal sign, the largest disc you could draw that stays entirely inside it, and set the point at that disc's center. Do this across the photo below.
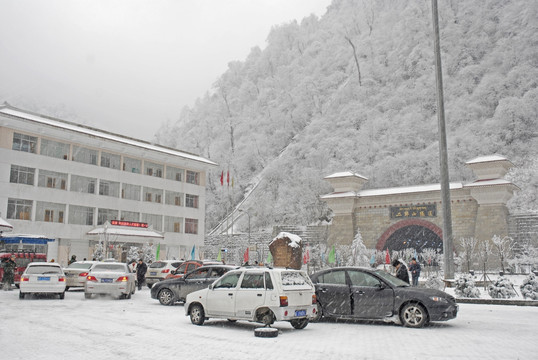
(413, 211)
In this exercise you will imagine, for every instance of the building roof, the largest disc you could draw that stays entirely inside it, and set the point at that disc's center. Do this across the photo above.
(126, 231)
(26, 239)
(66, 125)
(345, 174)
(394, 190)
(489, 158)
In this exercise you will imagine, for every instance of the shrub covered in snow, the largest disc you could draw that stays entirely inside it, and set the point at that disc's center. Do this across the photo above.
(433, 282)
(502, 288)
(529, 287)
(465, 287)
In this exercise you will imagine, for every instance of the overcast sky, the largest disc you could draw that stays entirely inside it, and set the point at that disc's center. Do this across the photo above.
(127, 66)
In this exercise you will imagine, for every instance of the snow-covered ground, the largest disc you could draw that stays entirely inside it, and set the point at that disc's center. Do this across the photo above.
(104, 328)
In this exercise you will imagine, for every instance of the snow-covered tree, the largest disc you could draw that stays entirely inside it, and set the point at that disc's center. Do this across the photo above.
(501, 288)
(359, 253)
(133, 254)
(148, 253)
(465, 287)
(503, 247)
(434, 282)
(529, 287)
(468, 248)
(99, 251)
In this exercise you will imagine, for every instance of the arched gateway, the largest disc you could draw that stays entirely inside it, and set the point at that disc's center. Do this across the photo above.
(411, 217)
(411, 234)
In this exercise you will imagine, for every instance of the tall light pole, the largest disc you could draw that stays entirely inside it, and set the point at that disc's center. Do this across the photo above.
(443, 157)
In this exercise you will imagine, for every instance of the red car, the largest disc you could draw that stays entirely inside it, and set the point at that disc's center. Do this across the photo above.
(188, 266)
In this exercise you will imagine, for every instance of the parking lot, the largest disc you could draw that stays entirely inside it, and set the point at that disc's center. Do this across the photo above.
(105, 328)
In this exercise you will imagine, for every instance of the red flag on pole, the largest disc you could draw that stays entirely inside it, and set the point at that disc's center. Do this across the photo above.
(387, 257)
(222, 178)
(228, 178)
(245, 256)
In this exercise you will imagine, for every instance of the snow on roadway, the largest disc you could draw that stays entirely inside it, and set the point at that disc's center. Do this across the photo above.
(104, 328)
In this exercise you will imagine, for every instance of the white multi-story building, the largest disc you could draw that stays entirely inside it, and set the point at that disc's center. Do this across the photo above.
(63, 180)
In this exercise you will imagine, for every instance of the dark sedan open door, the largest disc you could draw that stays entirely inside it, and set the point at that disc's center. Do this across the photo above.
(370, 297)
(333, 293)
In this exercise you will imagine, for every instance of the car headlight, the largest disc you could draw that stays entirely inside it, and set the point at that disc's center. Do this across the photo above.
(439, 299)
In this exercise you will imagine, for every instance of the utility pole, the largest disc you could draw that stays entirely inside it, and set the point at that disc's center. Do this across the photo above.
(448, 246)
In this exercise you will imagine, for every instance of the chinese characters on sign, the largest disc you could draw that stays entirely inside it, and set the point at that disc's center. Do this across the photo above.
(128, 223)
(413, 211)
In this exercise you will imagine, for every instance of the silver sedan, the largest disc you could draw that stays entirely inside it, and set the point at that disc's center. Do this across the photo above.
(110, 278)
(76, 273)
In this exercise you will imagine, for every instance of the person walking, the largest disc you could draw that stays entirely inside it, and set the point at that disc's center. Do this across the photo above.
(9, 272)
(141, 269)
(73, 259)
(415, 271)
(401, 270)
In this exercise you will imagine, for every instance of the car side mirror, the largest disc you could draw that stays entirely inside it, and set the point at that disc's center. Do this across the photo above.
(380, 286)
(173, 272)
(211, 287)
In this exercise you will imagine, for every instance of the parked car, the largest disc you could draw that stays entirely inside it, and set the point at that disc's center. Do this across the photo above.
(110, 278)
(169, 291)
(256, 294)
(373, 294)
(188, 266)
(158, 270)
(42, 278)
(76, 273)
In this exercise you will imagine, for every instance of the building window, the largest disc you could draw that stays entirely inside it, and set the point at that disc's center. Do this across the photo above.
(153, 195)
(173, 173)
(191, 226)
(193, 177)
(154, 220)
(80, 215)
(19, 209)
(130, 216)
(104, 215)
(84, 155)
(52, 179)
(173, 198)
(130, 192)
(22, 175)
(54, 149)
(153, 169)
(49, 212)
(191, 201)
(109, 188)
(132, 165)
(24, 143)
(172, 224)
(111, 161)
(83, 184)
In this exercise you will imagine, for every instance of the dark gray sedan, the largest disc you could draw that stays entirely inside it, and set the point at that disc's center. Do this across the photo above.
(369, 294)
(172, 290)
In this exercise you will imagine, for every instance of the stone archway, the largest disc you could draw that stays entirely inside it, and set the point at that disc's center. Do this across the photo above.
(411, 233)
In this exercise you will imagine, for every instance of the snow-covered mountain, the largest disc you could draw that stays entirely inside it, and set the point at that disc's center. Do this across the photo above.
(355, 90)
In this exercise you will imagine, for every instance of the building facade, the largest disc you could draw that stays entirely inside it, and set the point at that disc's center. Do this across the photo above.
(63, 180)
(411, 217)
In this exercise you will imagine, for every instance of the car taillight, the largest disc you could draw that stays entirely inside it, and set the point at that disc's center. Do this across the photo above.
(122, 278)
(83, 274)
(61, 279)
(25, 279)
(314, 299)
(165, 271)
(91, 278)
(283, 301)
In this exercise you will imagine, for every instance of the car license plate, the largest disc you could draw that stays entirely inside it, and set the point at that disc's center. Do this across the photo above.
(69, 275)
(153, 273)
(300, 312)
(43, 278)
(106, 280)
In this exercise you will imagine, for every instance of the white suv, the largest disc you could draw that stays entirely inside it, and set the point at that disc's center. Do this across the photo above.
(158, 270)
(256, 294)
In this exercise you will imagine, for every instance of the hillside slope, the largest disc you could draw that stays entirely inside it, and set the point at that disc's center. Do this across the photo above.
(355, 90)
